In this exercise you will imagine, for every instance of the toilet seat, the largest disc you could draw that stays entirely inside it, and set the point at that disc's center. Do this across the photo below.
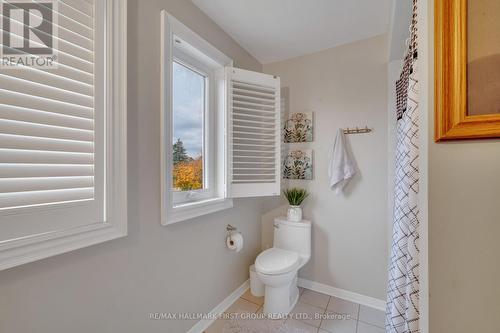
(276, 261)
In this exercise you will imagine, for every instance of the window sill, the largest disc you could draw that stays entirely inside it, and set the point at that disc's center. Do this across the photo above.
(195, 209)
(37, 247)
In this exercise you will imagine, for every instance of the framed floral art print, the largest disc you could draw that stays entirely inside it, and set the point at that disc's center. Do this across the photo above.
(298, 127)
(298, 164)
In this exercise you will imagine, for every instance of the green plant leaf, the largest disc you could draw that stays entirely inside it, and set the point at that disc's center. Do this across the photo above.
(295, 195)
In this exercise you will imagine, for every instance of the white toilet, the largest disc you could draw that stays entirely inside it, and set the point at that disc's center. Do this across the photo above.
(278, 266)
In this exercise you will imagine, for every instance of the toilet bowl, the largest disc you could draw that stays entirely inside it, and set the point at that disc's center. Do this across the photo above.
(278, 266)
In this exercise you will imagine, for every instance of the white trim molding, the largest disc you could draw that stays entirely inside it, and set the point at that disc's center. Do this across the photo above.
(199, 208)
(32, 247)
(203, 324)
(342, 293)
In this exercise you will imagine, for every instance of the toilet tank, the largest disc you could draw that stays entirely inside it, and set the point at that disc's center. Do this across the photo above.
(293, 236)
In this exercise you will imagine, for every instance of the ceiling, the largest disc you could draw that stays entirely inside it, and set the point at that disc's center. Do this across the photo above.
(274, 30)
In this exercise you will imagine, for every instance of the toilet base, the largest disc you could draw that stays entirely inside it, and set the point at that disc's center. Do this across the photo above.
(280, 300)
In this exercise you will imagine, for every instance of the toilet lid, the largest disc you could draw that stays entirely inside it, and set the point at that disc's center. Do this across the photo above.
(276, 261)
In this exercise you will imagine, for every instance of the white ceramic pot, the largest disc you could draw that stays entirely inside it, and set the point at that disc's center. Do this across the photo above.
(294, 214)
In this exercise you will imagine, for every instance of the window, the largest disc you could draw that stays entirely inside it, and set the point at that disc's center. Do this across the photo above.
(189, 110)
(63, 133)
(220, 128)
(192, 113)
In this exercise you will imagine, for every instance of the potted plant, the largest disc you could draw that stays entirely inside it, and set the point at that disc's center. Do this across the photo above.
(295, 197)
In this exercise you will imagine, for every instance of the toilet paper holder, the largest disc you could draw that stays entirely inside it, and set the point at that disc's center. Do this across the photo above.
(230, 229)
(234, 239)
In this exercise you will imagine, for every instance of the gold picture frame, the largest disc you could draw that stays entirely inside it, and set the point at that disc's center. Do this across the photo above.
(452, 121)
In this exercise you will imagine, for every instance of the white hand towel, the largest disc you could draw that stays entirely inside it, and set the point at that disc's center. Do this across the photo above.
(342, 166)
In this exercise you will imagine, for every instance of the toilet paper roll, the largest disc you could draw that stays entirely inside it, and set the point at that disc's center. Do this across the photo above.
(234, 241)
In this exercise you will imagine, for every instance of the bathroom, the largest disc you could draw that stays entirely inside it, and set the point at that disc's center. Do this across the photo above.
(176, 249)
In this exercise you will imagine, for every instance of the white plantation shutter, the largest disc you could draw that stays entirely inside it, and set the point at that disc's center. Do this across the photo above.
(253, 134)
(52, 130)
(63, 139)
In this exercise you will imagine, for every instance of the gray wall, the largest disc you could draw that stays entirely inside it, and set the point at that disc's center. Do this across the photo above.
(464, 225)
(343, 86)
(464, 229)
(113, 286)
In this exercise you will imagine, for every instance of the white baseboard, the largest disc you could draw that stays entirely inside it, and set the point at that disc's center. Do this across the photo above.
(344, 294)
(375, 303)
(203, 324)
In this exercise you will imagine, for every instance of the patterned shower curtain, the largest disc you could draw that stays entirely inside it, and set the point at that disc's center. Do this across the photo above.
(403, 312)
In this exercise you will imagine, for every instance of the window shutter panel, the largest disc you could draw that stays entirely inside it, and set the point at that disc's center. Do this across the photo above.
(49, 120)
(253, 137)
(63, 134)
(52, 131)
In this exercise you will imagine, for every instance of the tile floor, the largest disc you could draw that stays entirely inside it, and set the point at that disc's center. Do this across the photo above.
(314, 313)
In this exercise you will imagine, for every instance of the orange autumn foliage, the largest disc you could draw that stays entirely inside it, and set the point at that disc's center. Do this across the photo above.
(189, 175)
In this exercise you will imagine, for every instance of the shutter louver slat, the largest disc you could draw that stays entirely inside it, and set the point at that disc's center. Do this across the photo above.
(254, 140)
(44, 104)
(258, 130)
(247, 92)
(240, 115)
(60, 78)
(44, 131)
(37, 156)
(71, 77)
(252, 151)
(264, 122)
(256, 176)
(252, 87)
(262, 144)
(253, 162)
(10, 185)
(33, 198)
(242, 135)
(257, 107)
(258, 182)
(253, 134)
(9, 141)
(255, 168)
(47, 118)
(263, 101)
(10, 112)
(44, 91)
(252, 110)
(19, 170)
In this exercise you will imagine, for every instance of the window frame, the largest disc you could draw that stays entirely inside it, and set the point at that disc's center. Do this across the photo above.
(32, 247)
(209, 112)
(174, 210)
